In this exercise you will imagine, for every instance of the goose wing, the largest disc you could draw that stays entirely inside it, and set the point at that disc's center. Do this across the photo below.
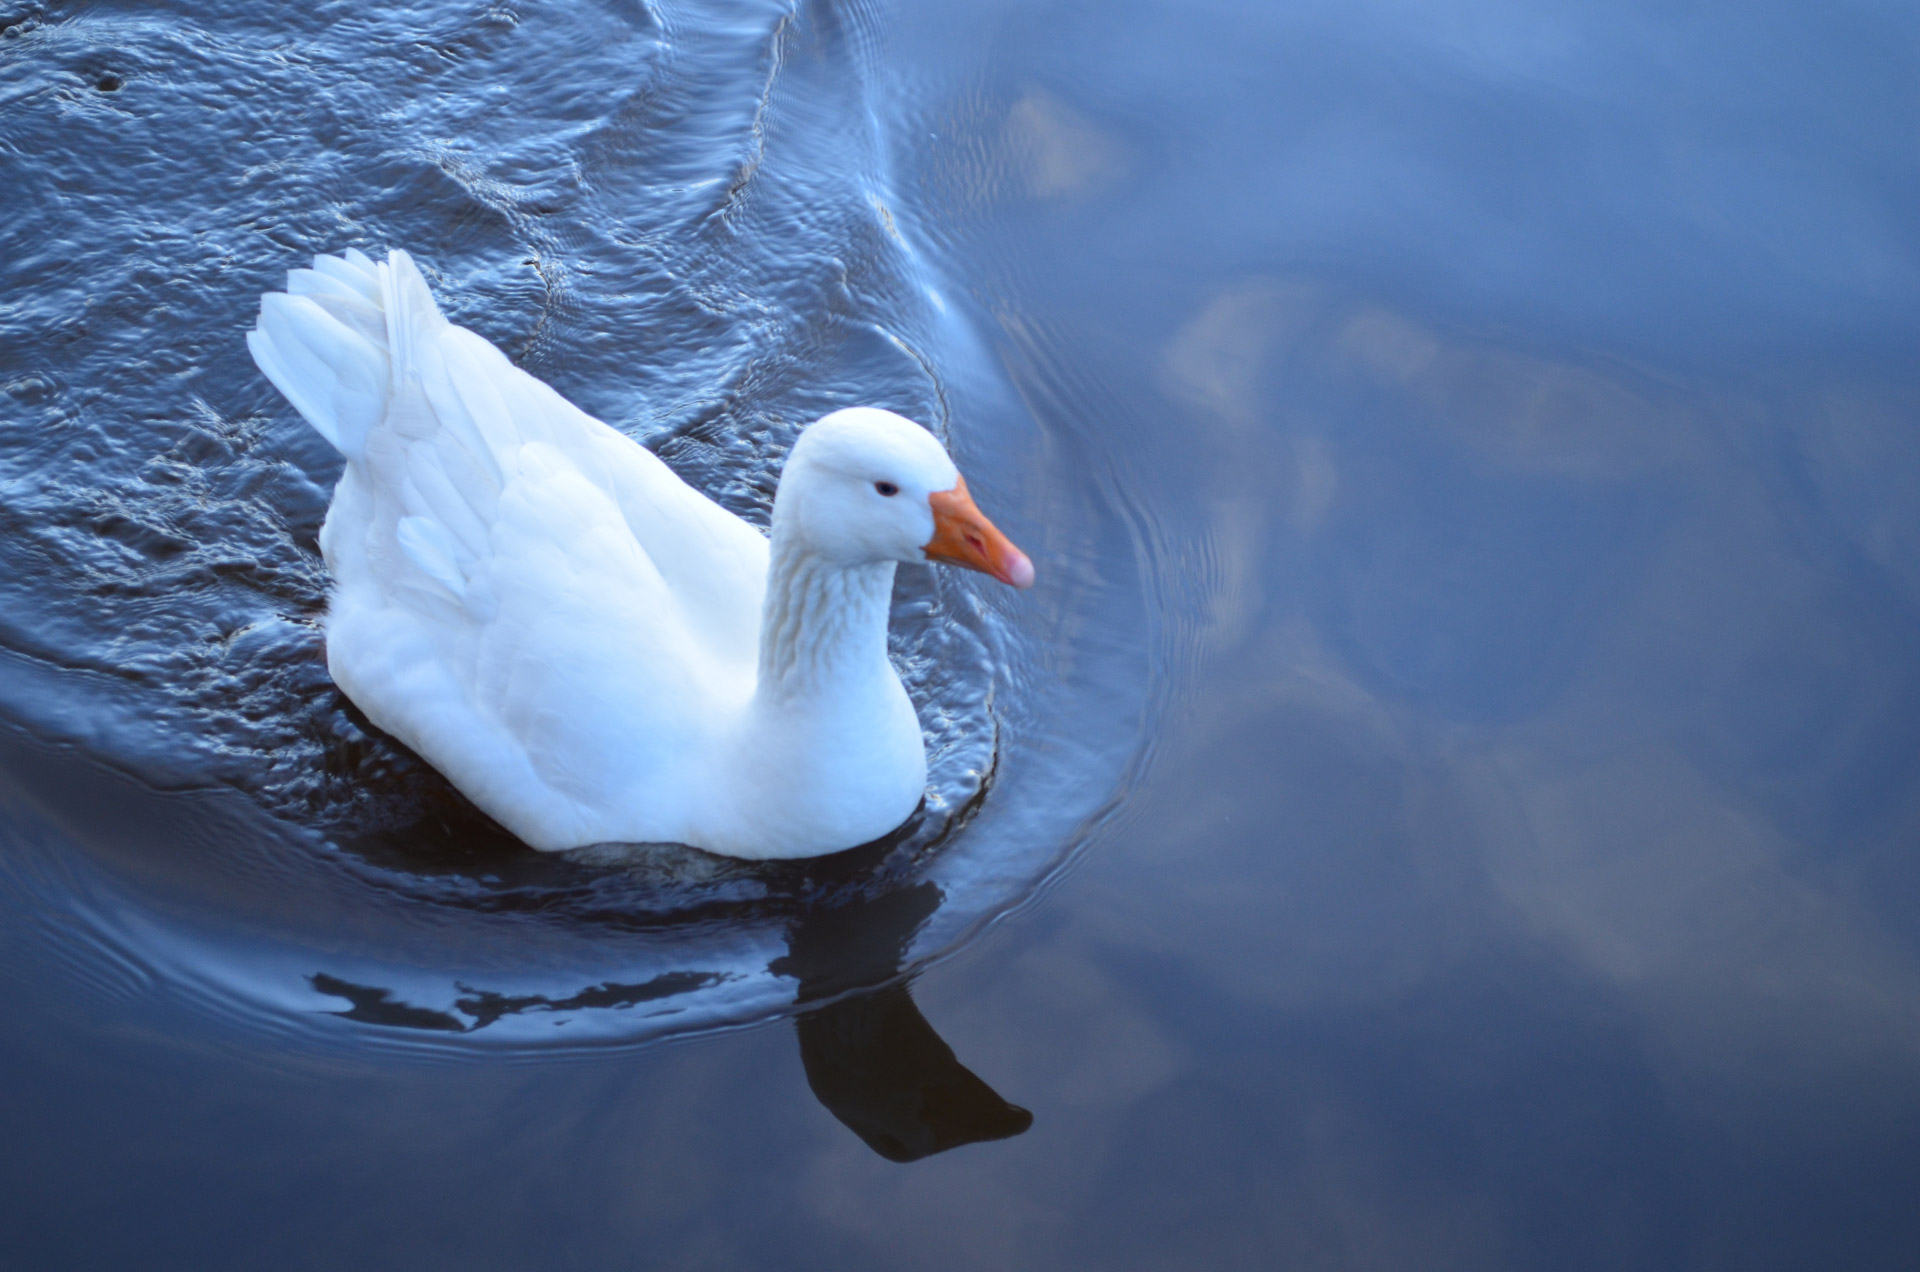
(522, 594)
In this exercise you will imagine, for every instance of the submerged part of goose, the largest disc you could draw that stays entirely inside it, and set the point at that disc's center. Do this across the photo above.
(591, 650)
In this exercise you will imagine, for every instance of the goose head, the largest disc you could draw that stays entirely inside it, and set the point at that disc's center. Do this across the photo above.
(865, 486)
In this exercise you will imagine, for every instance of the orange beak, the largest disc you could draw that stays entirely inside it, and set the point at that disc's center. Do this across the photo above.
(962, 535)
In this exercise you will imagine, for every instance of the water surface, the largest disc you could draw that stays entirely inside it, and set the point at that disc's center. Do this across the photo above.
(1451, 802)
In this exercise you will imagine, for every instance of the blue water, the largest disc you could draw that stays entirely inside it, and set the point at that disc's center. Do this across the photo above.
(1450, 802)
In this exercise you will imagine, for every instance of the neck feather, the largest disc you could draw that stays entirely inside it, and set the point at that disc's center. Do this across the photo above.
(822, 624)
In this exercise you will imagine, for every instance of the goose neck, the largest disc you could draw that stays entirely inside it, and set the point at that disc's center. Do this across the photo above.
(824, 624)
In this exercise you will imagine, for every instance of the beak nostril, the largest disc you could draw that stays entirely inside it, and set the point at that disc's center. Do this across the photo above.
(963, 536)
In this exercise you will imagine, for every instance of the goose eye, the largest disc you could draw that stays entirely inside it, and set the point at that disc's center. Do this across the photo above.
(886, 488)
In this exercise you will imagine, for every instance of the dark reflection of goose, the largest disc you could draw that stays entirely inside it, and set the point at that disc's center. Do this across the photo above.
(878, 1066)
(871, 1057)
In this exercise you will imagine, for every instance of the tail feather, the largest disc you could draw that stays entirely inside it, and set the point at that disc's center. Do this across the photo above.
(429, 413)
(468, 404)
(334, 375)
(343, 338)
(345, 304)
(355, 269)
(432, 357)
(411, 314)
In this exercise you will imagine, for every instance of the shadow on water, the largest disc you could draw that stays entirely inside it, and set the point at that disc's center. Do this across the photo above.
(849, 925)
(843, 929)
(871, 1058)
(452, 854)
(375, 1006)
(878, 1066)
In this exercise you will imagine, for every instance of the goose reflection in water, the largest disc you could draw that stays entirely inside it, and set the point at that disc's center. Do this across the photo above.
(871, 1058)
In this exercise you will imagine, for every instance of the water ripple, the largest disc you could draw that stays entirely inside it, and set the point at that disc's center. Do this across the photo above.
(684, 222)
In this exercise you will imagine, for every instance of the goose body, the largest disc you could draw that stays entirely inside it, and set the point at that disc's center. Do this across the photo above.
(590, 649)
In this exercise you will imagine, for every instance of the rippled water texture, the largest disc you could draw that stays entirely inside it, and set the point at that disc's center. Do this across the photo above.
(685, 223)
(1453, 796)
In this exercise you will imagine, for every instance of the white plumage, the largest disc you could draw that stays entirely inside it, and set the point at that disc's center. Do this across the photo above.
(573, 635)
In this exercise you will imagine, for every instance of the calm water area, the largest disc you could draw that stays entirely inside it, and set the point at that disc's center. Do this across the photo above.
(1451, 802)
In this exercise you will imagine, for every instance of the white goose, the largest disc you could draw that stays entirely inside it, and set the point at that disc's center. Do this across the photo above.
(591, 650)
